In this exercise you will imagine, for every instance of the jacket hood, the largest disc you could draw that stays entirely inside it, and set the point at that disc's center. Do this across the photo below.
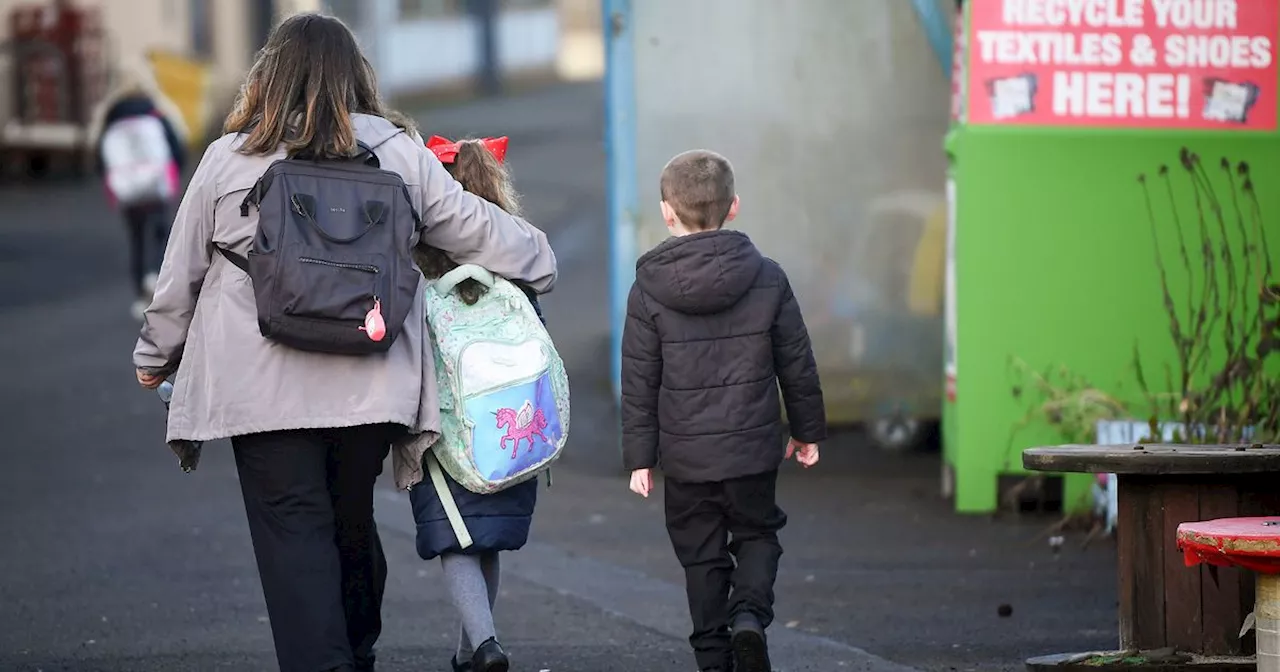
(135, 79)
(700, 273)
(374, 131)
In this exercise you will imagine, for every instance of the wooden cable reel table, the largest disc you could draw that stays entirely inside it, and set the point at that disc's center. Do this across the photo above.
(1164, 607)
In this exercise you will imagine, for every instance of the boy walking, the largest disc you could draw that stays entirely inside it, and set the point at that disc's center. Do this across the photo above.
(712, 332)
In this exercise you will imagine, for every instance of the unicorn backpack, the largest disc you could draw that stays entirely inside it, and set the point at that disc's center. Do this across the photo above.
(504, 393)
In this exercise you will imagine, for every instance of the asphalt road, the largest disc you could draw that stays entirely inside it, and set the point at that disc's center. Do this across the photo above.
(113, 560)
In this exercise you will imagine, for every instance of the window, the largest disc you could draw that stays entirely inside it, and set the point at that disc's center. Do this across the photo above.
(430, 9)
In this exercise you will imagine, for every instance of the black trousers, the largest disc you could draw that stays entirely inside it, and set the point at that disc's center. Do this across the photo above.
(308, 495)
(148, 235)
(725, 535)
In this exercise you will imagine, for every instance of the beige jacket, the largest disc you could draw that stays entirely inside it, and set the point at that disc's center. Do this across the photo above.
(231, 381)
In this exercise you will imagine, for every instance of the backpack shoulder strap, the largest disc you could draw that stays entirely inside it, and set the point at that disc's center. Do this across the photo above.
(446, 500)
(367, 155)
(235, 259)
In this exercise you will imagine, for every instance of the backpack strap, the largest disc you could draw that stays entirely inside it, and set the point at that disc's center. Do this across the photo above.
(446, 500)
(449, 280)
(235, 259)
(369, 157)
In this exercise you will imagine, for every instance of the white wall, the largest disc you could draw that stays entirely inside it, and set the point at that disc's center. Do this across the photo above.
(419, 54)
(414, 55)
(528, 39)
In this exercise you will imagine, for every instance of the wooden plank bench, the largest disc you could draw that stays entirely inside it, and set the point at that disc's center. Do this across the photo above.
(1163, 605)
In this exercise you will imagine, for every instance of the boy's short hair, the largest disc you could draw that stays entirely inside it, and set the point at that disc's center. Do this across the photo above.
(698, 185)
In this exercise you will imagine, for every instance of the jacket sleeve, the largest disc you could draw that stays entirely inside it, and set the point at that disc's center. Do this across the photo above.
(472, 230)
(797, 371)
(641, 379)
(186, 261)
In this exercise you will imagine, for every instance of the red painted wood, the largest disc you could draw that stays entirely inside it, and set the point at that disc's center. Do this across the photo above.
(1251, 543)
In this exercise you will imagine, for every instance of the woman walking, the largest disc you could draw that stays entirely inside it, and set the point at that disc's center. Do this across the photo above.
(310, 430)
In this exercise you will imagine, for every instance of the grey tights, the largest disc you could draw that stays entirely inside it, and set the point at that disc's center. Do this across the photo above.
(473, 585)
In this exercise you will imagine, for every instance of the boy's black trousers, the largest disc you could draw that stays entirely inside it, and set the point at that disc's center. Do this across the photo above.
(712, 525)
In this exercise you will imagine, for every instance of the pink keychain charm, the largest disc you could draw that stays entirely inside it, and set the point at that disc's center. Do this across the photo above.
(373, 324)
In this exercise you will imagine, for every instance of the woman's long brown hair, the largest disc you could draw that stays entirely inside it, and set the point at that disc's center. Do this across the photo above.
(302, 90)
(479, 172)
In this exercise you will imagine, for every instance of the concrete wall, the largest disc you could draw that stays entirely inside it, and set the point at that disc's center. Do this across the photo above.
(833, 113)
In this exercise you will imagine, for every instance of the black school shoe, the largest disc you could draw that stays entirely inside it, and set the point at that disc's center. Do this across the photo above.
(750, 651)
(489, 657)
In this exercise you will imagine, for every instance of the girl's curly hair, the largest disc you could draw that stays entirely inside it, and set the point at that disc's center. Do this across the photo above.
(479, 172)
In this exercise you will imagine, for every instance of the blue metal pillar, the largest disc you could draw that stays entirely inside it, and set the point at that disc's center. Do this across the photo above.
(938, 29)
(620, 147)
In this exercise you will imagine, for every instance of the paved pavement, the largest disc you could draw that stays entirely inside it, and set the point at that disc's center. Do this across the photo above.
(112, 560)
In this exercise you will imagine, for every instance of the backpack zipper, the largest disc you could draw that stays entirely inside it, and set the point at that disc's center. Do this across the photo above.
(367, 268)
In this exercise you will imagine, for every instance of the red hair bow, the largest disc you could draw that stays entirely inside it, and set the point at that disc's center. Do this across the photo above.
(447, 150)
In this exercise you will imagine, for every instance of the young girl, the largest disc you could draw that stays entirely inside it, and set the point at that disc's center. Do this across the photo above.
(499, 521)
(139, 142)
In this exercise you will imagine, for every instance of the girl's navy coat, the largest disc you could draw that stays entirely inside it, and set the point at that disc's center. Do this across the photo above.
(496, 522)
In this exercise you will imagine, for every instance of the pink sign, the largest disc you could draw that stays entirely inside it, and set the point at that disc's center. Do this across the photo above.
(1194, 64)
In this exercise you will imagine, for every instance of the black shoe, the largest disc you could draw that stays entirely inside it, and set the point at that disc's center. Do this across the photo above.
(490, 657)
(750, 651)
(460, 667)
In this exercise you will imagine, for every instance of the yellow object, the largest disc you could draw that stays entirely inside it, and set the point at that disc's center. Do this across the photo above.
(186, 82)
(924, 296)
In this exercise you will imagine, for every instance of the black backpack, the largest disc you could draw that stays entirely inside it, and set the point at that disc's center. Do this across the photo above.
(333, 242)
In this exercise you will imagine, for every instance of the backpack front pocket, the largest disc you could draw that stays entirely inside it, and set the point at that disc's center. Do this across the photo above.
(331, 287)
(516, 428)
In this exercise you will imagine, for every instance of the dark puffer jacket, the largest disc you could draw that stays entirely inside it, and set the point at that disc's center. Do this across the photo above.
(712, 331)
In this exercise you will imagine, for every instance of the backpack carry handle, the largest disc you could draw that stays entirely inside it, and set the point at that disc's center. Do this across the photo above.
(364, 154)
(367, 156)
(450, 280)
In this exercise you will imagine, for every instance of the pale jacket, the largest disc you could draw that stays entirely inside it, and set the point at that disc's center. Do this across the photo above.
(231, 381)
